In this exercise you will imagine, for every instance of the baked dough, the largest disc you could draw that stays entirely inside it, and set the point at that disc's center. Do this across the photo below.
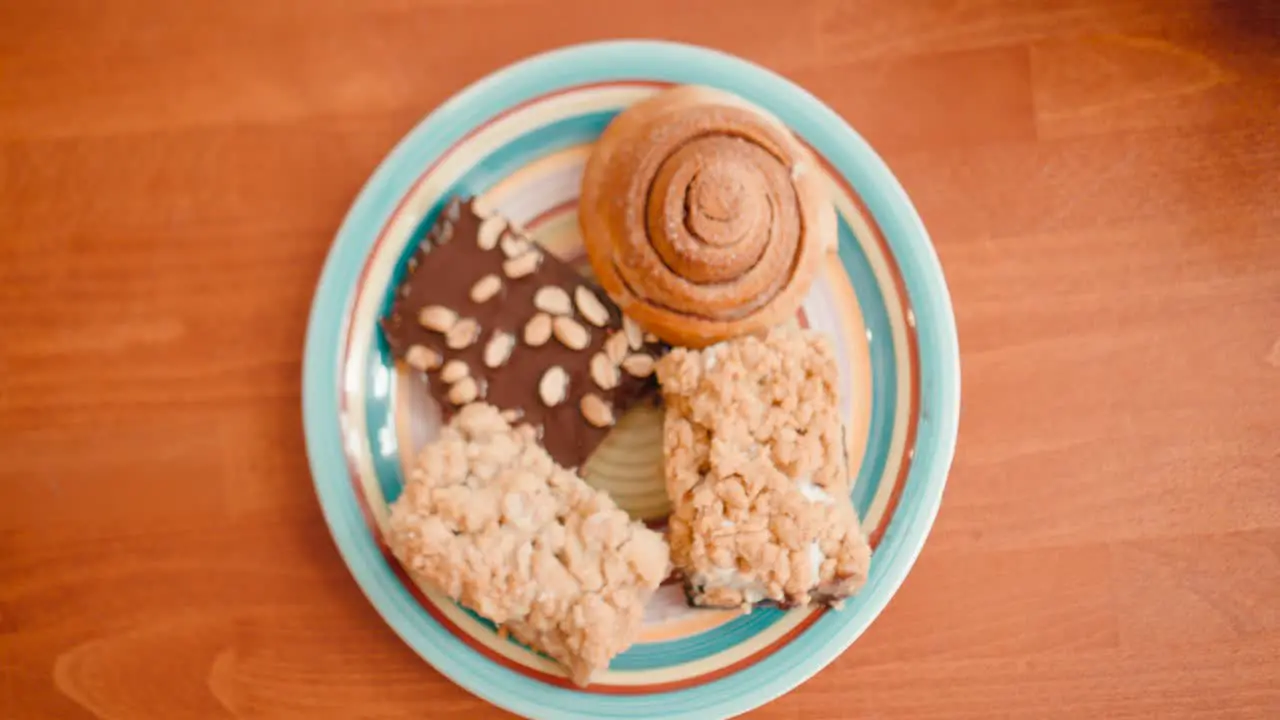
(703, 216)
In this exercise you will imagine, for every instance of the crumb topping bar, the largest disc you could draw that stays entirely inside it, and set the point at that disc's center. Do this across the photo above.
(757, 473)
(489, 519)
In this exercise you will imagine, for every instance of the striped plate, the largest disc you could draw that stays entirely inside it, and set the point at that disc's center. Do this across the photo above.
(518, 140)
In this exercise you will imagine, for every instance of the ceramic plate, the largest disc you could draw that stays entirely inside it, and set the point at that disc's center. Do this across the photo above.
(519, 139)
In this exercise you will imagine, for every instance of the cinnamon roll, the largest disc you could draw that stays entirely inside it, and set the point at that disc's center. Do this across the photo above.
(703, 216)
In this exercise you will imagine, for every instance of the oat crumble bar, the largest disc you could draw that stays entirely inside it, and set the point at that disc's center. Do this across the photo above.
(757, 473)
(488, 518)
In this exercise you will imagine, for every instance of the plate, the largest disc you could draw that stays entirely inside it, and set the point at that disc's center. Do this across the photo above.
(518, 139)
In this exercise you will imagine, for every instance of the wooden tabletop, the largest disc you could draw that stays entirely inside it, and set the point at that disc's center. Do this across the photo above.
(1102, 181)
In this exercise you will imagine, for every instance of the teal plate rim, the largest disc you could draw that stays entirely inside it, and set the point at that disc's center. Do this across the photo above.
(904, 233)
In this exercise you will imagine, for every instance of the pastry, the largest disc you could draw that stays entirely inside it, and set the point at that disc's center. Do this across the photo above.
(488, 315)
(757, 473)
(490, 520)
(704, 217)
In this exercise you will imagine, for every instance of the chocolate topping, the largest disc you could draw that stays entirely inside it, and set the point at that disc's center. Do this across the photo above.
(456, 268)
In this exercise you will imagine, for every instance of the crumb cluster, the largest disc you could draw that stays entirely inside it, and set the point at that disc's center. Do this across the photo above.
(758, 475)
(493, 522)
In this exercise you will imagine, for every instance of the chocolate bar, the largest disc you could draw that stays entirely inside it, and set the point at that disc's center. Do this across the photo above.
(490, 316)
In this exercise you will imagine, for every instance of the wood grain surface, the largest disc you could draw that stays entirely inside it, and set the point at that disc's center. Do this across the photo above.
(1102, 181)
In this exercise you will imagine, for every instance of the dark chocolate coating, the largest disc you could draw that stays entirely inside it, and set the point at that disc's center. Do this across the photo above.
(442, 272)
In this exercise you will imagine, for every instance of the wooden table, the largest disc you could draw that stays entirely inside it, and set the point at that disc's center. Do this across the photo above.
(1102, 180)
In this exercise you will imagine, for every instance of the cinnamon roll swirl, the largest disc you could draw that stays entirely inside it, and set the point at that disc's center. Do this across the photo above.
(704, 218)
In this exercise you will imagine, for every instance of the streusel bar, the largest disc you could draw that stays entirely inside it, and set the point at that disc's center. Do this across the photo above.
(757, 473)
(489, 519)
